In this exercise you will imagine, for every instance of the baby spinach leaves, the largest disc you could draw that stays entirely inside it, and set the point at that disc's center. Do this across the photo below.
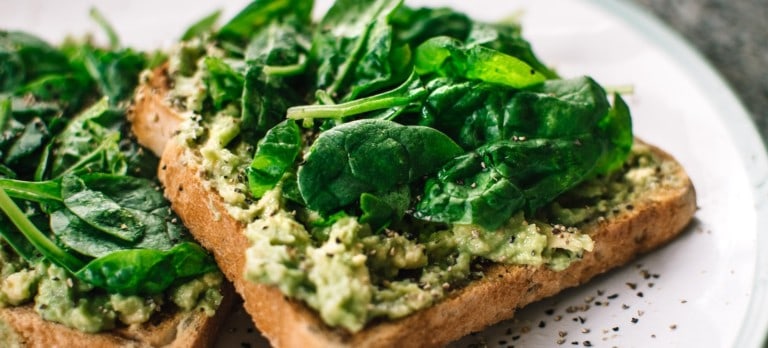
(259, 13)
(489, 185)
(424, 112)
(109, 220)
(67, 168)
(275, 154)
(353, 48)
(542, 142)
(348, 160)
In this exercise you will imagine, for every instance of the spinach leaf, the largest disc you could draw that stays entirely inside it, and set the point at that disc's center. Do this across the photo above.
(488, 186)
(259, 13)
(134, 195)
(115, 72)
(470, 112)
(348, 160)
(467, 192)
(225, 84)
(43, 192)
(352, 48)
(146, 271)
(507, 38)
(90, 143)
(275, 154)
(202, 26)
(445, 56)
(379, 211)
(477, 113)
(616, 127)
(64, 91)
(279, 44)
(25, 58)
(100, 211)
(28, 143)
(414, 26)
(556, 108)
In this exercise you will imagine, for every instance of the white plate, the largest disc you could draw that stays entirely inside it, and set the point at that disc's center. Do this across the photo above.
(708, 288)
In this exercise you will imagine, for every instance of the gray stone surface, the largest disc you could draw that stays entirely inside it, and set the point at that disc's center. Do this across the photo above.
(733, 36)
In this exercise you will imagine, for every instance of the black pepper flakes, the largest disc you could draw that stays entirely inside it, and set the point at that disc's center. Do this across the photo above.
(542, 324)
(587, 344)
(549, 311)
(615, 329)
(635, 320)
(613, 297)
(640, 294)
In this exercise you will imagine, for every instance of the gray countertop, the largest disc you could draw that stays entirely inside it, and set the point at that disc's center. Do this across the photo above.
(733, 36)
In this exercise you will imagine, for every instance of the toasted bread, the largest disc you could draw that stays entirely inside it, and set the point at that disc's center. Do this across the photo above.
(23, 327)
(653, 219)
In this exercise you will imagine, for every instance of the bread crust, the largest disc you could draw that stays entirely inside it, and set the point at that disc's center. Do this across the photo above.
(652, 220)
(193, 329)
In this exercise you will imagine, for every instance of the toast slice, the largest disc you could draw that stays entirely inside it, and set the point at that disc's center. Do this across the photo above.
(646, 223)
(23, 327)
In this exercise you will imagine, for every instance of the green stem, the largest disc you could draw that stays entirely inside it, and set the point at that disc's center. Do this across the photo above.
(5, 112)
(402, 95)
(114, 40)
(46, 247)
(287, 70)
(36, 191)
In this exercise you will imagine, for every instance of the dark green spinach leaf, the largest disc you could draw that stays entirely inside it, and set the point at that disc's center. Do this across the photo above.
(146, 271)
(353, 48)
(348, 160)
(100, 211)
(275, 154)
(488, 186)
(259, 13)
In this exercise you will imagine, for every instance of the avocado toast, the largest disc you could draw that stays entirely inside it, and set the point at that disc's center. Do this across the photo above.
(407, 209)
(90, 252)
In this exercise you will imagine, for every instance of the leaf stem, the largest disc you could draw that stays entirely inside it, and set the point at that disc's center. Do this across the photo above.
(48, 248)
(39, 191)
(287, 70)
(402, 95)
